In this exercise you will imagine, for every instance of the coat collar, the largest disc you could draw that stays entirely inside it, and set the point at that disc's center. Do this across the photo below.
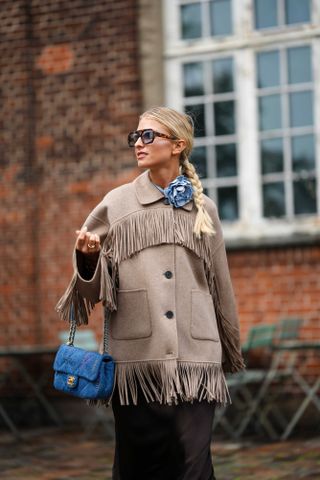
(148, 193)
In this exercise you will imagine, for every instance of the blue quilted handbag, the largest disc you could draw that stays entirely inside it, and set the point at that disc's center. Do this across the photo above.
(83, 373)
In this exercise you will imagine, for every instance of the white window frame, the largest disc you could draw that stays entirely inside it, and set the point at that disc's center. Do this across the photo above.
(252, 227)
(212, 140)
(285, 132)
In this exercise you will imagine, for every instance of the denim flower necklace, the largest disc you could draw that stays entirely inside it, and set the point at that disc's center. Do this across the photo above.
(178, 192)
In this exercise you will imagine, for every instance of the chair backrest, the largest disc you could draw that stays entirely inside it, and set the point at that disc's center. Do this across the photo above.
(260, 336)
(288, 328)
(83, 339)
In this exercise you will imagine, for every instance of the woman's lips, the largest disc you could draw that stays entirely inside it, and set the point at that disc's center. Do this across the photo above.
(141, 154)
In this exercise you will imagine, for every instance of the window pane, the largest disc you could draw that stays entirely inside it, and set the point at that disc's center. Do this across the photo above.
(224, 118)
(222, 75)
(226, 160)
(268, 69)
(228, 203)
(272, 155)
(270, 112)
(303, 154)
(198, 158)
(221, 17)
(299, 65)
(193, 79)
(305, 196)
(191, 21)
(197, 113)
(301, 109)
(273, 200)
(266, 14)
(297, 11)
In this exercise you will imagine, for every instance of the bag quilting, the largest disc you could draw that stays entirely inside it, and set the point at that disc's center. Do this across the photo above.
(82, 373)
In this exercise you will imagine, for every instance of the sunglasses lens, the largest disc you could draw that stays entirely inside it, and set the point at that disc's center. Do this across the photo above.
(132, 138)
(147, 136)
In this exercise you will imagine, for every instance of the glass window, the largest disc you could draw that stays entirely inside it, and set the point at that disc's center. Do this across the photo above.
(266, 13)
(270, 112)
(228, 203)
(224, 118)
(193, 79)
(221, 17)
(287, 155)
(213, 109)
(222, 75)
(273, 199)
(303, 154)
(268, 69)
(197, 113)
(304, 192)
(297, 11)
(271, 151)
(226, 160)
(299, 65)
(199, 160)
(191, 21)
(301, 109)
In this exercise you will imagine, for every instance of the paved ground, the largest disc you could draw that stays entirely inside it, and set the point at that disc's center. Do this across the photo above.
(49, 454)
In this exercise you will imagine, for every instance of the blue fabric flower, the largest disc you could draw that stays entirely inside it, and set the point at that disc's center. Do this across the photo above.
(179, 191)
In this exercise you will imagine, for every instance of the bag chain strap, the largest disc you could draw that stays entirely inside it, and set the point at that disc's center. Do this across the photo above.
(73, 328)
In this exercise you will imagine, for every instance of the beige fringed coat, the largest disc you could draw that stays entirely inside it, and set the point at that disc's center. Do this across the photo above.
(174, 326)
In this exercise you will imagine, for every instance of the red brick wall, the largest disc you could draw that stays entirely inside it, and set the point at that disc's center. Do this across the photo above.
(273, 283)
(70, 92)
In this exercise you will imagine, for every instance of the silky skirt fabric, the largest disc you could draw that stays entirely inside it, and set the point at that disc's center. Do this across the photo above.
(163, 442)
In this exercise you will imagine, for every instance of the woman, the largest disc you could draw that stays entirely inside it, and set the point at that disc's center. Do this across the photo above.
(154, 253)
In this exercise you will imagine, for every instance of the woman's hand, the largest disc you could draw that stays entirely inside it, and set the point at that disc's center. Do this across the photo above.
(87, 242)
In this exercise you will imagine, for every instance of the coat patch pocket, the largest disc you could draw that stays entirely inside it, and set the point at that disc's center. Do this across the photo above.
(203, 317)
(132, 319)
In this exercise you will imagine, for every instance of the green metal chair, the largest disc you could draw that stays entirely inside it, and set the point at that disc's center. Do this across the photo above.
(288, 329)
(244, 385)
(287, 333)
(266, 408)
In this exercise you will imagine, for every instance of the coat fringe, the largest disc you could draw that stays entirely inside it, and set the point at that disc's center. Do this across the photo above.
(107, 285)
(126, 237)
(170, 380)
(72, 305)
(130, 234)
(229, 335)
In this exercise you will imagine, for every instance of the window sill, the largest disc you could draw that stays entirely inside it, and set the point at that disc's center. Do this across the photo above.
(271, 233)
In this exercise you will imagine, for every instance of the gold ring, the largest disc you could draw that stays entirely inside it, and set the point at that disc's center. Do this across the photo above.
(91, 245)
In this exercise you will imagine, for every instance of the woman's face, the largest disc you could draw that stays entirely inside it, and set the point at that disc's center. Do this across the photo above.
(161, 152)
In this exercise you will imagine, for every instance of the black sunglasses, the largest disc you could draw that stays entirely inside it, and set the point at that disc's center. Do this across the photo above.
(147, 136)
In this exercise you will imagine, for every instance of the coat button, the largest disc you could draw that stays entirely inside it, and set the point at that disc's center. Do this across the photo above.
(169, 314)
(168, 274)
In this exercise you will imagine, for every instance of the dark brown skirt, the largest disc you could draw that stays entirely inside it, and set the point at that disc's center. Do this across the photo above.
(163, 442)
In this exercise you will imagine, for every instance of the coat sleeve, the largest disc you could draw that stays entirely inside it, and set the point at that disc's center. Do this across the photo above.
(225, 303)
(93, 276)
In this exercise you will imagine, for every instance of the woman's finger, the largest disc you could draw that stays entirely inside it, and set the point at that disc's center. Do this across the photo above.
(81, 238)
(91, 242)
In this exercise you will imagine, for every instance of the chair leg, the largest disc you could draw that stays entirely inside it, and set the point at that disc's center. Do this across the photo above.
(8, 422)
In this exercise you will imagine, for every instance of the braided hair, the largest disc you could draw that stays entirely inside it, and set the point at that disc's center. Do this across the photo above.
(181, 126)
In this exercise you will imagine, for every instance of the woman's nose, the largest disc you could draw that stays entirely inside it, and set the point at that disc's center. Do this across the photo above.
(139, 142)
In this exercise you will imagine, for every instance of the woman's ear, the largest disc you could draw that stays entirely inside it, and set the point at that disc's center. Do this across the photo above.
(178, 147)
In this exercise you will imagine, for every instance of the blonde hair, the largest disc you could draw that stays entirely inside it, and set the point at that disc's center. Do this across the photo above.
(181, 126)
